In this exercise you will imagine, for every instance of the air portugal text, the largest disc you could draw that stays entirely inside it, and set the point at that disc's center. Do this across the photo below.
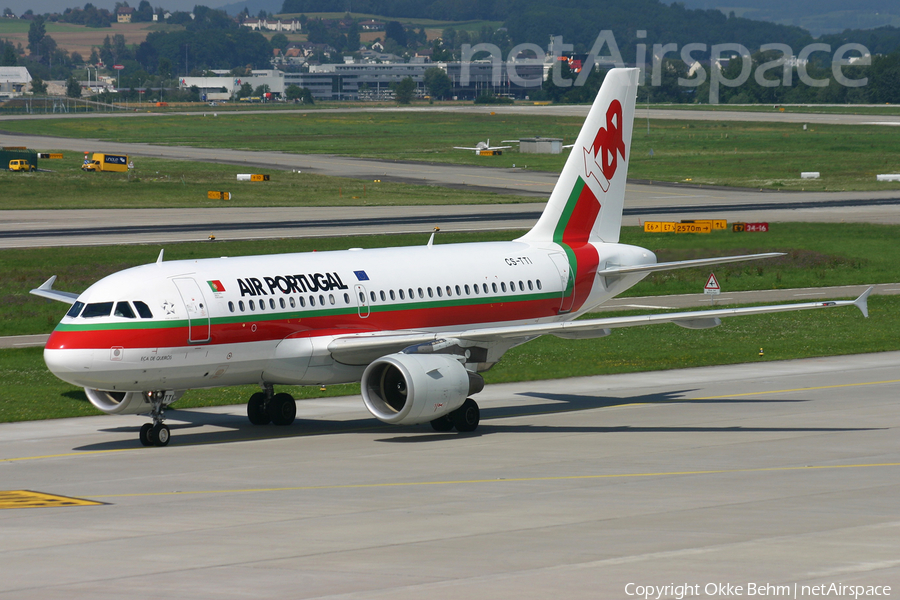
(290, 284)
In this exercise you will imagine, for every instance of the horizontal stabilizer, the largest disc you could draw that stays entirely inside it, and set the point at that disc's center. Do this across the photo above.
(613, 271)
(46, 291)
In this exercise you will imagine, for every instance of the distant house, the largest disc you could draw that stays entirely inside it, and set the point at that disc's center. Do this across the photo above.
(123, 15)
(278, 25)
(371, 25)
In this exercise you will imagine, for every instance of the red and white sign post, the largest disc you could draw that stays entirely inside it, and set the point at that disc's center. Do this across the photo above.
(118, 69)
(712, 288)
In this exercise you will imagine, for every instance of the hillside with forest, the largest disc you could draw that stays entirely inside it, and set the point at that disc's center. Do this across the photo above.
(816, 16)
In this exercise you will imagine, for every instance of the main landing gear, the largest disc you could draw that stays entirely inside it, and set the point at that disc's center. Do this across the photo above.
(156, 433)
(268, 407)
(464, 419)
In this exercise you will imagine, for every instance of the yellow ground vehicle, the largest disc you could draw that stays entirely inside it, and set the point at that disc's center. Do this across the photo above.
(106, 162)
(20, 164)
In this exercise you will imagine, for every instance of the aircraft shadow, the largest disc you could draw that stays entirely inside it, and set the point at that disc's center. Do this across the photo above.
(236, 427)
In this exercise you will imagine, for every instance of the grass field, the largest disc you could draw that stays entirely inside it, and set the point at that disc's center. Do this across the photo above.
(158, 183)
(77, 38)
(754, 155)
(818, 255)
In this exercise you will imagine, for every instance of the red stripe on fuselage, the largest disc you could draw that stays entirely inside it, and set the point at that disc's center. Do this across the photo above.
(278, 329)
(576, 236)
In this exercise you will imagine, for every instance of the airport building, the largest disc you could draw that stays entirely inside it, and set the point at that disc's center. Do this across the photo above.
(14, 81)
(373, 81)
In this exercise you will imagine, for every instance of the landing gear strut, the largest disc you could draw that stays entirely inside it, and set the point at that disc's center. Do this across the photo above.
(268, 407)
(157, 434)
(464, 419)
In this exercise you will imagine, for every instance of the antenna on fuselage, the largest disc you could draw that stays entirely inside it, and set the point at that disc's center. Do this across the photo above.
(431, 239)
(160, 257)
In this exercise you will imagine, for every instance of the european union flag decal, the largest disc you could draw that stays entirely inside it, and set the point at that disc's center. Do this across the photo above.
(361, 275)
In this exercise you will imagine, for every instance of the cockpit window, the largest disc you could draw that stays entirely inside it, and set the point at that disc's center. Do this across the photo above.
(123, 309)
(97, 309)
(75, 310)
(143, 309)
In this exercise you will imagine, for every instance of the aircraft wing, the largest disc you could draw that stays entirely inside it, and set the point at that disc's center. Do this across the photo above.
(46, 291)
(464, 148)
(614, 271)
(351, 349)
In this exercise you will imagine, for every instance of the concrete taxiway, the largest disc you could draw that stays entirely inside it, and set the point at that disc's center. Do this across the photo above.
(32, 228)
(778, 472)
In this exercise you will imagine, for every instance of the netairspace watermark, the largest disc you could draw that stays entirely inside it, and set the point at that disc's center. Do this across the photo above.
(606, 41)
(730, 590)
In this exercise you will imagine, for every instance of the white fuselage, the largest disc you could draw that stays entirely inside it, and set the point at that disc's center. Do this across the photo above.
(240, 320)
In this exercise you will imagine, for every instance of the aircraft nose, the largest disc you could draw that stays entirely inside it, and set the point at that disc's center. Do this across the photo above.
(68, 365)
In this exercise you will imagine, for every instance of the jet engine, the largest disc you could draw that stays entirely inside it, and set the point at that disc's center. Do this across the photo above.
(405, 389)
(122, 403)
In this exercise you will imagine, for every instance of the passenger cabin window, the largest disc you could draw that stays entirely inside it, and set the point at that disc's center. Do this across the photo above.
(241, 305)
(231, 306)
(123, 309)
(97, 309)
(75, 310)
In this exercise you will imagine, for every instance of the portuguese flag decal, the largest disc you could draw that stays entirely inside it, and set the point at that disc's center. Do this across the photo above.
(216, 285)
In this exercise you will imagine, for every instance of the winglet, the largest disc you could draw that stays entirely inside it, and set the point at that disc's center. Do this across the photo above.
(46, 291)
(159, 259)
(862, 303)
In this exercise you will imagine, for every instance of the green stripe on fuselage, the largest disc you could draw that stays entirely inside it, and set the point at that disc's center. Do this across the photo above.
(308, 314)
(560, 231)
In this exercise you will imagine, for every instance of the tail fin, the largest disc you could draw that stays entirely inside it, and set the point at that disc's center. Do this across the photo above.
(586, 204)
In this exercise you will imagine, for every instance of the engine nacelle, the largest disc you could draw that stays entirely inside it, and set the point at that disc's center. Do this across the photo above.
(123, 403)
(119, 403)
(405, 389)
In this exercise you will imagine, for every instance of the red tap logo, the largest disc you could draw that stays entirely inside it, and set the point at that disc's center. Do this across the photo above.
(602, 159)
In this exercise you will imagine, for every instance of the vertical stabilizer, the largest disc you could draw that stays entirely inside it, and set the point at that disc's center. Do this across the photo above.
(586, 204)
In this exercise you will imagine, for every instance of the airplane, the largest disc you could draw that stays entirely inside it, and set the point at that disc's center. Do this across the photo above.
(416, 326)
(483, 148)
